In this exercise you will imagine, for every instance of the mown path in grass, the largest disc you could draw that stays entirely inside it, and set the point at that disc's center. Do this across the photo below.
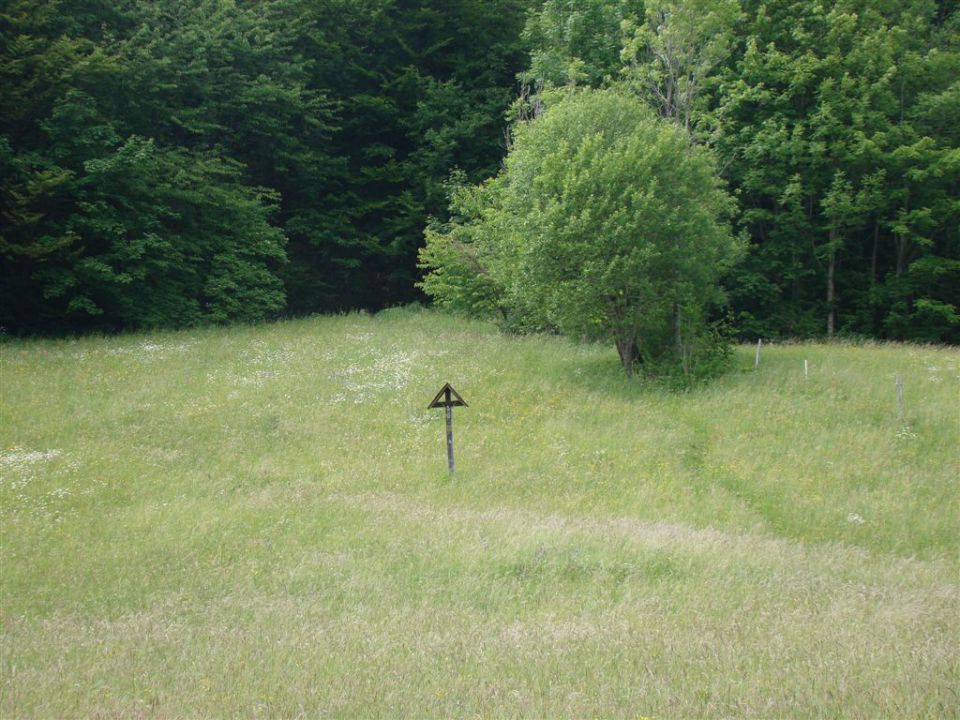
(259, 522)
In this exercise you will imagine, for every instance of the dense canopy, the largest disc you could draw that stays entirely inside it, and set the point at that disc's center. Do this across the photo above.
(177, 162)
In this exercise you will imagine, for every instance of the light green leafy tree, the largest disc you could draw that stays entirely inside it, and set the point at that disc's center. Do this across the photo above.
(460, 253)
(576, 42)
(671, 57)
(604, 219)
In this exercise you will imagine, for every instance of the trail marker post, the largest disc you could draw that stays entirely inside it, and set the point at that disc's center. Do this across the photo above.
(899, 396)
(447, 398)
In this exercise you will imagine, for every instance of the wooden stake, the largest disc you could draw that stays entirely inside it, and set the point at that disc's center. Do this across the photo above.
(899, 396)
(447, 398)
(449, 409)
(756, 363)
(806, 370)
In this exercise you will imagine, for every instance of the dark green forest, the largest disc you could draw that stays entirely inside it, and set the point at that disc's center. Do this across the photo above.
(178, 162)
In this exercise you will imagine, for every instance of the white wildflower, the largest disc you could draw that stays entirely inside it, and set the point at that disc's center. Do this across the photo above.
(16, 457)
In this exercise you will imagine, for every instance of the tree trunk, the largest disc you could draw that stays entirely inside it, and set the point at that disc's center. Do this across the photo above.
(901, 241)
(831, 275)
(874, 303)
(629, 352)
(678, 329)
(678, 337)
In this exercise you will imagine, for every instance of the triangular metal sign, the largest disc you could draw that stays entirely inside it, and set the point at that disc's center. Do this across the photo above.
(447, 396)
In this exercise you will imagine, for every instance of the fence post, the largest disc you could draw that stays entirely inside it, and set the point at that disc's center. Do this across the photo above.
(899, 397)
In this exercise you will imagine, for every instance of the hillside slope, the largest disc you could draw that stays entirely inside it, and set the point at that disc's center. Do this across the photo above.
(259, 522)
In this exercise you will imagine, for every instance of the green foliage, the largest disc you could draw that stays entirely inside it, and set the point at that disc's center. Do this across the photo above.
(150, 237)
(803, 103)
(834, 125)
(326, 127)
(459, 253)
(240, 80)
(827, 104)
(605, 224)
(576, 42)
(421, 90)
(672, 56)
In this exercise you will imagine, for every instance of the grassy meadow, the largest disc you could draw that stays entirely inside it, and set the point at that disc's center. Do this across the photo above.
(258, 522)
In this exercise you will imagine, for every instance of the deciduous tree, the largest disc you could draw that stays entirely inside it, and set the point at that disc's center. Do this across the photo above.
(603, 220)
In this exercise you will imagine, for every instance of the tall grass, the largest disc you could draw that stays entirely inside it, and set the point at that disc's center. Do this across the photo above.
(259, 522)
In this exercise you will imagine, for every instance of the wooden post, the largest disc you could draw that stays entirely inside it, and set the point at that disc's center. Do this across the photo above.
(449, 409)
(806, 370)
(756, 362)
(899, 397)
(447, 398)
